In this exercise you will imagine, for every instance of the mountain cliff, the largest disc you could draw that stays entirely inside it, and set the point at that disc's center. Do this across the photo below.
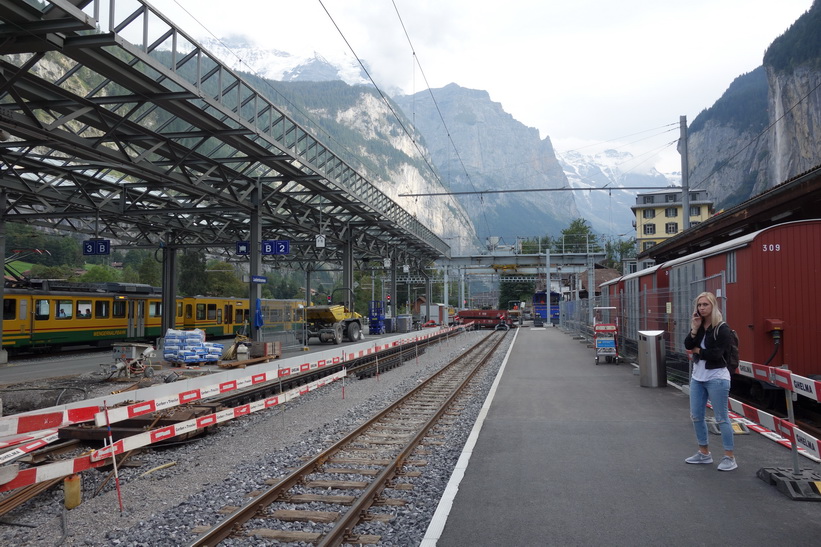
(481, 147)
(361, 128)
(240, 53)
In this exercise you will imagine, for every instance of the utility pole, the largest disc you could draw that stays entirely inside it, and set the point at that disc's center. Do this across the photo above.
(685, 178)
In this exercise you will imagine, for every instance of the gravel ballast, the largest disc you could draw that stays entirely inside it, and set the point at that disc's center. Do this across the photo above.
(219, 470)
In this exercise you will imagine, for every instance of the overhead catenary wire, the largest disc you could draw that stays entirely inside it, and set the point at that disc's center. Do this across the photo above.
(438, 110)
(672, 127)
(387, 102)
(521, 190)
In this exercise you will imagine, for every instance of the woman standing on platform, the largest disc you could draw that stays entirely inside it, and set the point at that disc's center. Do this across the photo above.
(710, 339)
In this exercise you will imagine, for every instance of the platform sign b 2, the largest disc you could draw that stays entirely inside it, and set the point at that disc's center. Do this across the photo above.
(96, 247)
(276, 247)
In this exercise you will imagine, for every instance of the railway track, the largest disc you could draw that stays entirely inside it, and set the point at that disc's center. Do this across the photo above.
(357, 473)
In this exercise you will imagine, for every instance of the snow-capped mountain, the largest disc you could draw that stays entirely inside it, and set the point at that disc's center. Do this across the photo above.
(241, 54)
(609, 211)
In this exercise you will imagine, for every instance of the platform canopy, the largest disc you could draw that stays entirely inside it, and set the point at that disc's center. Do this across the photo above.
(120, 126)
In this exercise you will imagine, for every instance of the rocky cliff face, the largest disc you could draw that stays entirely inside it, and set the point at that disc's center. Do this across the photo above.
(337, 103)
(492, 151)
(731, 164)
(392, 160)
(358, 126)
(734, 163)
(795, 109)
(766, 128)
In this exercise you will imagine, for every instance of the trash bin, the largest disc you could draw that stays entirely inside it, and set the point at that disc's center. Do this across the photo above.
(652, 365)
(404, 323)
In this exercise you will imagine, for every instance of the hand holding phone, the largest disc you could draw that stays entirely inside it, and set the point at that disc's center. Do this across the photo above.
(695, 323)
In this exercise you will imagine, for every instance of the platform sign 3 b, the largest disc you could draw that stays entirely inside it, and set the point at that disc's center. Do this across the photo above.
(96, 247)
(276, 247)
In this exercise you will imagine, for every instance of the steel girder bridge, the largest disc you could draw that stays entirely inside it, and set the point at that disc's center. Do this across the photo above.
(116, 124)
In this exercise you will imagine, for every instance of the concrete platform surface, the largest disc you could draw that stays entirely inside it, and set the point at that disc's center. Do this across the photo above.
(571, 453)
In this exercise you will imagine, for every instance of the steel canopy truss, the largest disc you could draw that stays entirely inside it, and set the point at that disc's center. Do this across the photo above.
(160, 143)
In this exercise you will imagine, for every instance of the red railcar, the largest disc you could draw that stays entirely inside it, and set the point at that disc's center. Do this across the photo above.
(484, 319)
(767, 286)
(772, 292)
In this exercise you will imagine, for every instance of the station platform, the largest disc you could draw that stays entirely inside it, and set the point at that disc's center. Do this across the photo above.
(567, 452)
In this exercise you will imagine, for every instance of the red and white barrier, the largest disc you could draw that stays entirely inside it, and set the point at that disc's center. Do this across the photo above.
(39, 422)
(148, 406)
(27, 423)
(97, 458)
(21, 439)
(778, 429)
(30, 446)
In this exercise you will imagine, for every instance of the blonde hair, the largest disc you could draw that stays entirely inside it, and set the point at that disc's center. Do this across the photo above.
(716, 316)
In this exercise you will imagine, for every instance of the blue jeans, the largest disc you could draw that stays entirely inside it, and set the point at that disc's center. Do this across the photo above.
(717, 391)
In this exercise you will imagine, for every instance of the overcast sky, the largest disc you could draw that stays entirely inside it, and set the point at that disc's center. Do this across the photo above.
(580, 71)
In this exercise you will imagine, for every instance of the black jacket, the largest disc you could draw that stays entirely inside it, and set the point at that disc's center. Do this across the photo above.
(716, 345)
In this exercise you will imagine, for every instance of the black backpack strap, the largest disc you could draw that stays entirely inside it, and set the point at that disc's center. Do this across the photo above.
(715, 330)
(726, 356)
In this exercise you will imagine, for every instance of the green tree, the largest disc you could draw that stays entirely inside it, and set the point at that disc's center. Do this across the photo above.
(39, 271)
(100, 274)
(617, 250)
(130, 275)
(577, 238)
(150, 271)
(224, 280)
(281, 288)
(133, 258)
(320, 298)
(537, 245)
(62, 250)
(21, 237)
(193, 279)
(519, 291)
(799, 45)
(56, 250)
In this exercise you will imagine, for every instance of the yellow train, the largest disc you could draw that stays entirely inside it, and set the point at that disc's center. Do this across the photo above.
(64, 314)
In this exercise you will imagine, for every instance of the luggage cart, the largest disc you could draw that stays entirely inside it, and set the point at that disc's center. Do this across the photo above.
(605, 336)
